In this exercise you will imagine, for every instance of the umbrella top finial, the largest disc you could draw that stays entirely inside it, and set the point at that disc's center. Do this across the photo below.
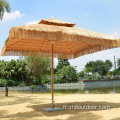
(56, 22)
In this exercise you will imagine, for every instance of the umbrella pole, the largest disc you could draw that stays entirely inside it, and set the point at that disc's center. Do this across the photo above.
(52, 76)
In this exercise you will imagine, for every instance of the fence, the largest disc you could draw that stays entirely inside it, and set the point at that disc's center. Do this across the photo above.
(101, 84)
(67, 86)
(86, 86)
(26, 88)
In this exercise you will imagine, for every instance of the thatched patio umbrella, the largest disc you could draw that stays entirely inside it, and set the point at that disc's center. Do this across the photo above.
(56, 39)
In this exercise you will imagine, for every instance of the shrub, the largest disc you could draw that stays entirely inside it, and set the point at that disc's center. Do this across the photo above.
(108, 77)
(22, 84)
(46, 79)
(34, 80)
(99, 77)
(3, 82)
(117, 77)
(66, 75)
(88, 78)
(11, 83)
(33, 87)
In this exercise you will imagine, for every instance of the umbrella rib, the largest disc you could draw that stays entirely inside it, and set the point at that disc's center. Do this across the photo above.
(68, 47)
(42, 45)
(13, 43)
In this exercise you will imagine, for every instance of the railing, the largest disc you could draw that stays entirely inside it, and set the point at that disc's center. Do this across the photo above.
(112, 86)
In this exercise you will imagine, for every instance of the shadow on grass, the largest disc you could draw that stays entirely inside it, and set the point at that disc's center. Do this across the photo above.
(73, 114)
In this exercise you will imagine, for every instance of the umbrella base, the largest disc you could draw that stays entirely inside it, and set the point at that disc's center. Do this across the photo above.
(52, 109)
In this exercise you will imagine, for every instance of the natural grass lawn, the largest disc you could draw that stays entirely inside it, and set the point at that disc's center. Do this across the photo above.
(28, 106)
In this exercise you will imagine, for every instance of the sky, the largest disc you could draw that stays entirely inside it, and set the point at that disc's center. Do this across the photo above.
(97, 15)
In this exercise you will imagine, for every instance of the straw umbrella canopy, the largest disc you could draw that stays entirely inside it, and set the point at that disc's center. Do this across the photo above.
(55, 38)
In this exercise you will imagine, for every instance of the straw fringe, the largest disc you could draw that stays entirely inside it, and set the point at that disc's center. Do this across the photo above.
(93, 50)
(40, 54)
(88, 50)
(86, 42)
(57, 55)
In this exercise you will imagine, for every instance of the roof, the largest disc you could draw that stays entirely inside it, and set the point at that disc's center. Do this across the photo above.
(56, 22)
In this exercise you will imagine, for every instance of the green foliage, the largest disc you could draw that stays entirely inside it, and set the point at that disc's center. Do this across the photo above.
(108, 77)
(46, 79)
(33, 86)
(34, 80)
(117, 77)
(61, 64)
(29, 71)
(100, 67)
(15, 70)
(99, 77)
(89, 78)
(4, 82)
(38, 67)
(66, 75)
(22, 84)
(108, 64)
(81, 74)
(118, 63)
(4, 6)
(11, 83)
(116, 72)
(89, 67)
(110, 73)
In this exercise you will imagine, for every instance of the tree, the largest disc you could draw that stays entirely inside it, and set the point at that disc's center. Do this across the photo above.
(100, 67)
(19, 70)
(28, 70)
(4, 6)
(118, 63)
(89, 67)
(67, 74)
(62, 63)
(38, 66)
(81, 74)
(117, 71)
(14, 70)
(108, 64)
